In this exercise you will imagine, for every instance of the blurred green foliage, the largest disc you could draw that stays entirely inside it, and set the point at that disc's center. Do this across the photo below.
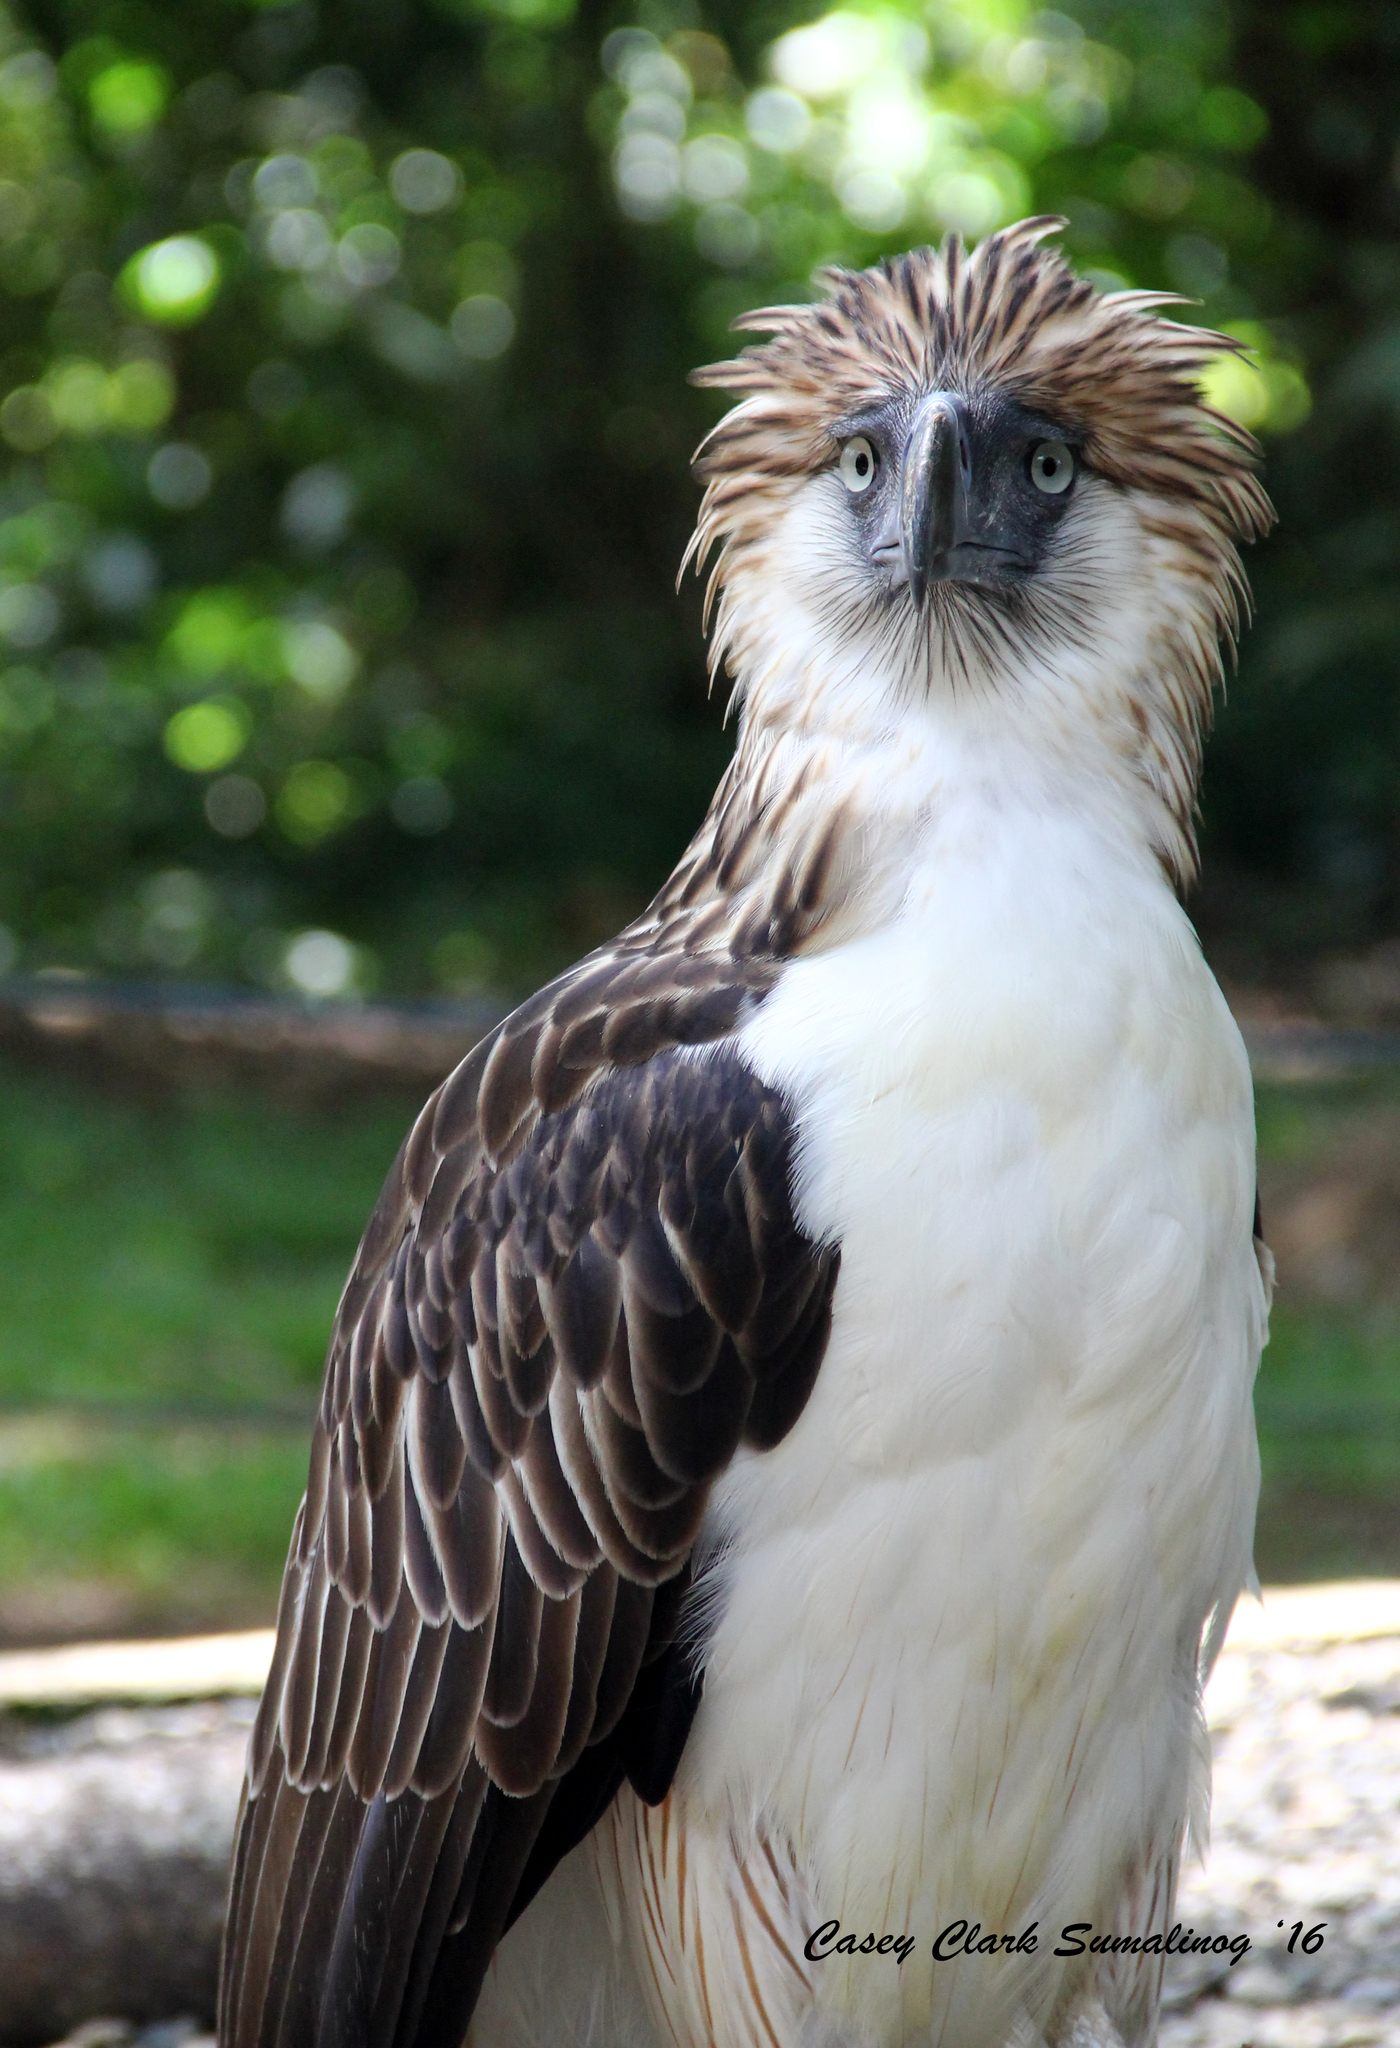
(109, 1526)
(186, 1254)
(172, 1272)
(342, 386)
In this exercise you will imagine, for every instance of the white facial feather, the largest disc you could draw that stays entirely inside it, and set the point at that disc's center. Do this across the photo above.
(1089, 685)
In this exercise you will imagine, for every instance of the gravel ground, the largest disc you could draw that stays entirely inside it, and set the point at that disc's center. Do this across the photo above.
(1305, 1828)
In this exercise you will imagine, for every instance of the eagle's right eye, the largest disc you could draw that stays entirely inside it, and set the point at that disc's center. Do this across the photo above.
(858, 461)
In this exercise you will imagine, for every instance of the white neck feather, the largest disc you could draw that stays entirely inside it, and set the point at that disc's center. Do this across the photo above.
(1106, 723)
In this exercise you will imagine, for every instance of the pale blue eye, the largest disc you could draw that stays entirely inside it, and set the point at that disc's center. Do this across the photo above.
(857, 465)
(1052, 468)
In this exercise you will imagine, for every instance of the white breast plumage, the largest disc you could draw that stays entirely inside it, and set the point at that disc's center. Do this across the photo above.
(963, 1602)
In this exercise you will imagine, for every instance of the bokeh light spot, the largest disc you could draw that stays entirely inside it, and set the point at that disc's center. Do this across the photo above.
(1261, 393)
(207, 636)
(423, 181)
(176, 907)
(17, 209)
(714, 167)
(29, 615)
(369, 255)
(727, 235)
(483, 327)
(1229, 119)
(128, 98)
(314, 800)
(28, 420)
(179, 476)
(316, 507)
(532, 13)
(320, 963)
(622, 47)
(873, 199)
(828, 57)
(286, 180)
(174, 281)
(140, 396)
(205, 737)
(297, 239)
(484, 266)
(235, 806)
(654, 113)
(412, 343)
(778, 120)
(120, 574)
(647, 171)
(78, 393)
(651, 69)
(319, 658)
(422, 805)
(1158, 187)
(967, 202)
(27, 81)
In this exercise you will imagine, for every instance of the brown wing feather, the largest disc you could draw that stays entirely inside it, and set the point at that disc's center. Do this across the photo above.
(583, 1288)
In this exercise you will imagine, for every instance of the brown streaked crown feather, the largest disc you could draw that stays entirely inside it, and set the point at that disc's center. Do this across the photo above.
(1012, 314)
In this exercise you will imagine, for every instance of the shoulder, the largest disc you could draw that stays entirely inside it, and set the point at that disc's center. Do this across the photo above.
(600, 1049)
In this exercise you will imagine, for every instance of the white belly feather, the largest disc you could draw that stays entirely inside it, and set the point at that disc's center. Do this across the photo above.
(961, 1604)
(963, 1600)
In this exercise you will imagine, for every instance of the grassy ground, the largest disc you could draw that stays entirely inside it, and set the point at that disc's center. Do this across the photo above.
(170, 1276)
(170, 1272)
(1328, 1393)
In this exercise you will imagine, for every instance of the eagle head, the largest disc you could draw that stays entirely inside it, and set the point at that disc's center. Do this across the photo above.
(977, 480)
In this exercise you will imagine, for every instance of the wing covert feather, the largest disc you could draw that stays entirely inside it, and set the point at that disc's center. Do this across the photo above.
(583, 1289)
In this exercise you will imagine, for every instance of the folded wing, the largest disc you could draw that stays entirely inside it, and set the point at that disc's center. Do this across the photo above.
(583, 1290)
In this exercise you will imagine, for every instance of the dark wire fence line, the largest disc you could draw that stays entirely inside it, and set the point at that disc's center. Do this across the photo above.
(162, 1035)
(293, 1414)
(180, 1031)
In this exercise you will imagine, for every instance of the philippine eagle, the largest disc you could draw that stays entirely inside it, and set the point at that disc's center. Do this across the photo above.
(786, 1458)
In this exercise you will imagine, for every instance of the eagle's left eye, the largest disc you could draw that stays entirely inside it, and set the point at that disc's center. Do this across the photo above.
(1052, 468)
(857, 465)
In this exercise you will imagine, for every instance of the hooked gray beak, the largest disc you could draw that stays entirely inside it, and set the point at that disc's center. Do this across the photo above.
(933, 491)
